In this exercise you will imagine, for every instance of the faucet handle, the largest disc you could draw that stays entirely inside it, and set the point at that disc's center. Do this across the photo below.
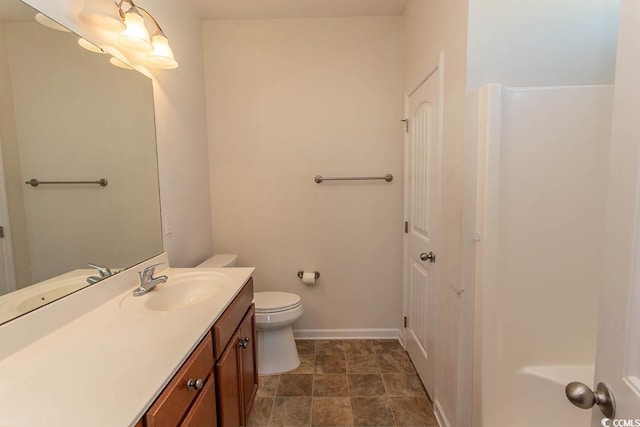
(103, 271)
(147, 273)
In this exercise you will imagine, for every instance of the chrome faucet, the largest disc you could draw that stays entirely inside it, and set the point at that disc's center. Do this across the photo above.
(103, 273)
(147, 281)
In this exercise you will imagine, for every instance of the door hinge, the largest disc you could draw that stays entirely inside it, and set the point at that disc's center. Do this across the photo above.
(406, 125)
(1, 232)
(405, 321)
(406, 227)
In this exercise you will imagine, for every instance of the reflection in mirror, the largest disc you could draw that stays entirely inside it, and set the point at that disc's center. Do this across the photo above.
(67, 114)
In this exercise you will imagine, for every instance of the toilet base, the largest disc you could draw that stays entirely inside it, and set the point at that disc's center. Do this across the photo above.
(277, 352)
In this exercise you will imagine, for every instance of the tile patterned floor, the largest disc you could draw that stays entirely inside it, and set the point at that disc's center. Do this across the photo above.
(345, 383)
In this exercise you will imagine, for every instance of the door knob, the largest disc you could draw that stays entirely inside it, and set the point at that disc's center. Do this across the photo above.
(428, 256)
(244, 342)
(583, 397)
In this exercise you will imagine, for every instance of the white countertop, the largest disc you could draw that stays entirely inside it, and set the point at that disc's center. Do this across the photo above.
(107, 366)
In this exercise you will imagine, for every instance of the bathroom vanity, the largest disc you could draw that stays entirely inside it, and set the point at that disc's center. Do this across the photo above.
(190, 399)
(182, 355)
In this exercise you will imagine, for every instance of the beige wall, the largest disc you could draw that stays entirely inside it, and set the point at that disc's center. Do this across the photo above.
(542, 43)
(432, 27)
(12, 174)
(180, 125)
(291, 99)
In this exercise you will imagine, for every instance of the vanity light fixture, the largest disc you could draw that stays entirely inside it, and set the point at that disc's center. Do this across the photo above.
(140, 48)
(101, 14)
(117, 58)
(90, 46)
(120, 64)
(162, 55)
(50, 23)
(136, 36)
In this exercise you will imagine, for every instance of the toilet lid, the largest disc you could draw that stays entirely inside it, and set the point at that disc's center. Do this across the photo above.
(269, 302)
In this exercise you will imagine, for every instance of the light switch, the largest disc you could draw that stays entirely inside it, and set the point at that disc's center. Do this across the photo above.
(168, 225)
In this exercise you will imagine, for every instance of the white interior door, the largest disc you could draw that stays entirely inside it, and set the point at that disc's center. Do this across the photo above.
(618, 354)
(423, 217)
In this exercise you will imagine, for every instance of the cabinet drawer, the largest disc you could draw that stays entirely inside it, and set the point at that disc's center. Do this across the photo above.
(203, 411)
(171, 406)
(227, 324)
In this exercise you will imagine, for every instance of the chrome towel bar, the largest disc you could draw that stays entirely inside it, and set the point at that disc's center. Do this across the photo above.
(34, 182)
(318, 178)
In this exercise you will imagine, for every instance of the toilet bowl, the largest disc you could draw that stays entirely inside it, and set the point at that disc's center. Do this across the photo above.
(275, 313)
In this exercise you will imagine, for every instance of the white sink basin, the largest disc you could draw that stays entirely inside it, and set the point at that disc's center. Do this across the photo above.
(180, 291)
(39, 294)
(50, 295)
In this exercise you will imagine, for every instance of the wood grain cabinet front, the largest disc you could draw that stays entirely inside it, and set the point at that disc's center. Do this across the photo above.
(188, 387)
(203, 411)
(228, 386)
(248, 362)
(236, 370)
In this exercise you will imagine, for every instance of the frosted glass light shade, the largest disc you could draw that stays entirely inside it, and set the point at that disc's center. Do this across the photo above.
(162, 55)
(89, 46)
(100, 20)
(135, 36)
(50, 23)
(101, 14)
(118, 63)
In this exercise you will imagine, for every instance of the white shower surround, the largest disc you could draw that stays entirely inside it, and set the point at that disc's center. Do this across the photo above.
(541, 178)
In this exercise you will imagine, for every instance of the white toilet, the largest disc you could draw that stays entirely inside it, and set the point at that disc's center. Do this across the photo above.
(275, 313)
(219, 261)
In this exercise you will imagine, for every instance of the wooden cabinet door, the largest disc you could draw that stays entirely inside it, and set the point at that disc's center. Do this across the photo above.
(203, 411)
(172, 404)
(248, 362)
(228, 385)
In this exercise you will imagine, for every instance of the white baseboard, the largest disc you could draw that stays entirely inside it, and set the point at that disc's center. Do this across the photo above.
(328, 334)
(440, 415)
(402, 337)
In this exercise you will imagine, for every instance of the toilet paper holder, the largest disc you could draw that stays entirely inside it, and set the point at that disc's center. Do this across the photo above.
(315, 273)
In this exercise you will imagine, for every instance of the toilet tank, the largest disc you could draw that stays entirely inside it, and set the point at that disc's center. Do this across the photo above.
(219, 261)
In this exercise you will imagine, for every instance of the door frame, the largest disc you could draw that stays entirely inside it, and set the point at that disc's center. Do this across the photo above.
(436, 64)
(6, 242)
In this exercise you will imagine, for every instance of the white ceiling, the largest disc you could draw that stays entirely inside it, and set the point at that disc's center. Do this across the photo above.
(272, 9)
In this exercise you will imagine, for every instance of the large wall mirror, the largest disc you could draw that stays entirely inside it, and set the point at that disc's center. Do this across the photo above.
(67, 114)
